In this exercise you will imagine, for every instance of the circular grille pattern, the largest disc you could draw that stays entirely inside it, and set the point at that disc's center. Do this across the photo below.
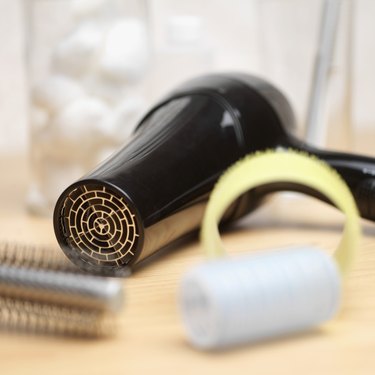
(98, 224)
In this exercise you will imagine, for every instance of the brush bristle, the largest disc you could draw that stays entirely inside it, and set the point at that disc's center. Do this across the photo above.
(17, 315)
(33, 256)
(24, 312)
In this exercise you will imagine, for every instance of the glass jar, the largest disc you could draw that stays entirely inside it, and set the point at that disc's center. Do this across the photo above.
(87, 61)
(306, 48)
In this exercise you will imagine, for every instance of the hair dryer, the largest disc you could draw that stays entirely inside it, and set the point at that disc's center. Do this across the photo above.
(155, 189)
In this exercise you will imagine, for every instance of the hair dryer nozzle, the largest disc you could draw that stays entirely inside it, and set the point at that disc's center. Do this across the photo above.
(98, 226)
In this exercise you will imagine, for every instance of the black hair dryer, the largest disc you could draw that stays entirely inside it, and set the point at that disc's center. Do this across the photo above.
(154, 190)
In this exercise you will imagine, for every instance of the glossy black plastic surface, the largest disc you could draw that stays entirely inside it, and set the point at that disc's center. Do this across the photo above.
(182, 146)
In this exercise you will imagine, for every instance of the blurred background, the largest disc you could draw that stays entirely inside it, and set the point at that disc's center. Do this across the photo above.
(71, 70)
(77, 75)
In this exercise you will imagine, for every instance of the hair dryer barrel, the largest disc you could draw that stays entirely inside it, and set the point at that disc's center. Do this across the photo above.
(154, 190)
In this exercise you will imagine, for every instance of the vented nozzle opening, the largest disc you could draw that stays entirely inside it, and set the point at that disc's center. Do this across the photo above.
(97, 227)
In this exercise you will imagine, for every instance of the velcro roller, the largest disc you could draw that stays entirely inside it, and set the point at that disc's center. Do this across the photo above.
(228, 301)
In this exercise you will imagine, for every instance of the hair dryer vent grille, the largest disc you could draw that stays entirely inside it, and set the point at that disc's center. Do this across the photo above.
(98, 226)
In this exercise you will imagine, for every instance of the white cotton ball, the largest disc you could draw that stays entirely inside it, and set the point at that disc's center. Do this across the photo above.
(87, 8)
(109, 91)
(75, 54)
(39, 119)
(36, 203)
(82, 123)
(46, 145)
(122, 121)
(125, 52)
(56, 92)
(57, 176)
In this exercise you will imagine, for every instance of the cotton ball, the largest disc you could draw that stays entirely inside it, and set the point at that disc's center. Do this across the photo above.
(81, 124)
(36, 203)
(56, 92)
(39, 119)
(109, 91)
(121, 122)
(75, 54)
(57, 176)
(59, 179)
(125, 52)
(45, 144)
(52, 174)
(87, 8)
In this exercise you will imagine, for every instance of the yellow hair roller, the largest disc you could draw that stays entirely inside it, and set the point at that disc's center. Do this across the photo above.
(233, 300)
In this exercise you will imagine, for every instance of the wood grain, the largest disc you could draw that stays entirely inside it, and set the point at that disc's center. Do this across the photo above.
(150, 336)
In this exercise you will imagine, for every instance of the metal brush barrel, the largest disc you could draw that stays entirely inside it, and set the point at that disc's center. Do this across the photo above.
(41, 292)
(23, 315)
(88, 292)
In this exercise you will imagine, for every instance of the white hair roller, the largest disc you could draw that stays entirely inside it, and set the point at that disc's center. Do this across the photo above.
(235, 300)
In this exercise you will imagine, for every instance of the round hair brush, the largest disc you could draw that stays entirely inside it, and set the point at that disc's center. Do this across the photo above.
(154, 190)
(40, 292)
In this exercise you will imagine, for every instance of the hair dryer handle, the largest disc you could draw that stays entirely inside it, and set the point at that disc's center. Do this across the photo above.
(357, 171)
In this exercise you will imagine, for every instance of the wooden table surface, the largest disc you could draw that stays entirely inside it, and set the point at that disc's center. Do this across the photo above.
(150, 336)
